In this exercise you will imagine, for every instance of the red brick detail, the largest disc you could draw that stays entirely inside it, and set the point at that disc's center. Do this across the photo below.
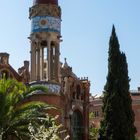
(55, 2)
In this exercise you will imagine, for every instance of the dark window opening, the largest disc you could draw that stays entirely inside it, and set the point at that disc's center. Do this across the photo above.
(77, 128)
(78, 91)
(5, 74)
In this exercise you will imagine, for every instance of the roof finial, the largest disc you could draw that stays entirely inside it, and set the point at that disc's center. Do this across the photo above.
(65, 64)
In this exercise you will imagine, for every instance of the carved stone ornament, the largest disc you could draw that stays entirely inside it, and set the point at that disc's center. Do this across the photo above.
(45, 10)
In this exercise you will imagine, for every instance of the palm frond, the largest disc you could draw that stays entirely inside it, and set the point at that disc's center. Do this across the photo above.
(15, 115)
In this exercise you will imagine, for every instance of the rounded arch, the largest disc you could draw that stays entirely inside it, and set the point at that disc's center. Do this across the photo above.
(77, 108)
(5, 73)
(77, 125)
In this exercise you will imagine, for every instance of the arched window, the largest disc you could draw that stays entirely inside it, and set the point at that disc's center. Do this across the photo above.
(77, 126)
(5, 74)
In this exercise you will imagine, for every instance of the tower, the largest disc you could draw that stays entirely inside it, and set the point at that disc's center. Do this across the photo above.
(45, 36)
(69, 94)
(4, 58)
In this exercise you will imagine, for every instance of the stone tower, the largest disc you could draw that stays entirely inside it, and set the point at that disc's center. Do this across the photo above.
(66, 91)
(45, 36)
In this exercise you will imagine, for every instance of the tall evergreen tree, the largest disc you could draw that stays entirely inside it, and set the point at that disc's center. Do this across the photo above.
(118, 116)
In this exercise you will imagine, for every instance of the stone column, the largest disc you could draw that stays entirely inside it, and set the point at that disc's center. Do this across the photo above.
(38, 63)
(41, 62)
(57, 63)
(49, 59)
(33, 62)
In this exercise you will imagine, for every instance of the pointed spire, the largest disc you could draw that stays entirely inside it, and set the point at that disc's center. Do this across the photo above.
(65, 64)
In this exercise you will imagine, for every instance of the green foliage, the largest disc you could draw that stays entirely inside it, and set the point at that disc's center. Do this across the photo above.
(48, 130)
(137, 138)
(93, 131)
(91, 116)
(118, 117)
(15, 112)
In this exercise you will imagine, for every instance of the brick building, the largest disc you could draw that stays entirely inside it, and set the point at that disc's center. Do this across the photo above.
(67, 91)
(96, 108)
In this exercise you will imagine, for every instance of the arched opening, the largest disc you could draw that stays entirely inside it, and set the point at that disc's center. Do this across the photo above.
(44, 60)
(77, 126)
(5, 74)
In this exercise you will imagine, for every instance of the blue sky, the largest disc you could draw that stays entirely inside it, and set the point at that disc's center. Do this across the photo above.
(86, 28)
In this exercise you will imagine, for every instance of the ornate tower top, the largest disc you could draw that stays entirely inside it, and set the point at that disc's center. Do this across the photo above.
(54, 2)
(45, 36)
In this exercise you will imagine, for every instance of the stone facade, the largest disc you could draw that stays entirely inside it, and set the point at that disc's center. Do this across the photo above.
(7, 71)
(67, 92)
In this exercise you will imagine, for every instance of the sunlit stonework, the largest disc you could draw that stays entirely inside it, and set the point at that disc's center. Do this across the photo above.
(66, 91)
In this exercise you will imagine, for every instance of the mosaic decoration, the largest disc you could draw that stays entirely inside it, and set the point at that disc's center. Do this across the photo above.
(52, 87)
(45, 24)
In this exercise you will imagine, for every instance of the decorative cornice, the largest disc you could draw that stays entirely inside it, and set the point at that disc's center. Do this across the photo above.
(45, 10)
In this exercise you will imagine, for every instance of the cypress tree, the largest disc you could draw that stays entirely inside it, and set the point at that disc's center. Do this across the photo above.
(118, 116)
